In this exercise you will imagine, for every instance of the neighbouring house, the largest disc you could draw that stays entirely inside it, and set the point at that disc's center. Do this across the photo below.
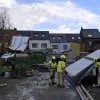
(59, 43)
(39, 41)
(89, 37)
(75, 42)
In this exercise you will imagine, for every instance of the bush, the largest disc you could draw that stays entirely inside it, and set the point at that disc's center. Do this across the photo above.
(25, 63)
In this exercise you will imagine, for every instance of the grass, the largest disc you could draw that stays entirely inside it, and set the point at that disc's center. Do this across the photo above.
(4, 69)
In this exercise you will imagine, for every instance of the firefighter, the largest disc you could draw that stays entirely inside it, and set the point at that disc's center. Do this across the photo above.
(52, 67)
(97, 65)
(60, 69)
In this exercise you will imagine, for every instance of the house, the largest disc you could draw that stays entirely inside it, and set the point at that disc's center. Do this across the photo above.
(75, 42)
(89, 37)
(39, 40)
(59, 43)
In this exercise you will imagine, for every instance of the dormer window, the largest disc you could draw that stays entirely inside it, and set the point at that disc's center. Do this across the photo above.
(59, 37)
(53, 37)
(36, 35)
(72, 37)
(89, 35)
(79, 38)
(43, 35)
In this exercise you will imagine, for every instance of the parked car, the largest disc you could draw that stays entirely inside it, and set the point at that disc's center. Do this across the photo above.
(69, 62)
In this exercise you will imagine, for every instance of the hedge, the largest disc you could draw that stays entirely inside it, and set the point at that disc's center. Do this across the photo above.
(25, 63)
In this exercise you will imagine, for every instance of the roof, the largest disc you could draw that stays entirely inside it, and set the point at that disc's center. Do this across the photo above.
(35, 35)
(40, 35)
(90, 33)
(23, 33)
(74, 38)
(57, 38)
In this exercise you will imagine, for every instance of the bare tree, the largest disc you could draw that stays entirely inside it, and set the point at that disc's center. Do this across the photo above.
(4, 18)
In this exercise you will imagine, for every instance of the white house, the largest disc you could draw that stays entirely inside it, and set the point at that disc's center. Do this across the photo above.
(59, 43)
(40, 40)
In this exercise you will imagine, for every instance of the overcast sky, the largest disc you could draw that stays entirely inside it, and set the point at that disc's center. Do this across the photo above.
(62, 16)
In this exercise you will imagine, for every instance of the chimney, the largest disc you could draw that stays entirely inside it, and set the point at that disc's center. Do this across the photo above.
(15, 29)
(81, 28)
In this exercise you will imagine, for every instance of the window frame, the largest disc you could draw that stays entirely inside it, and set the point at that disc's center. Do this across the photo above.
(36, 44)
(64, 47)
(55, 45)
(43, 44)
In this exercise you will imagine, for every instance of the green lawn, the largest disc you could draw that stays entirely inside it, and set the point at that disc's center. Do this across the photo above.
(4, 69)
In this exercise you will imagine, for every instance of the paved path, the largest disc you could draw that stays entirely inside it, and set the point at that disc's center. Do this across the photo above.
(36, 88)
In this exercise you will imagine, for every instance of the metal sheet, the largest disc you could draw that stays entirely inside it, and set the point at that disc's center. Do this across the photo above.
(24, 40)
(20, 43)
(78, 66)
(18, 40)
(14, 47)
(13, 40)
(95, 54)
(9, 55)
(22, 47)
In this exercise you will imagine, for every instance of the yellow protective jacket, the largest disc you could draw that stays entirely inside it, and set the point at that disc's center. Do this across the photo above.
(61, 66)
(97, 64)
(52, 65)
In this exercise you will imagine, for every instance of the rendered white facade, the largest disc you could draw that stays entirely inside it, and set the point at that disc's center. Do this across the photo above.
(60, 47)
(39, 43)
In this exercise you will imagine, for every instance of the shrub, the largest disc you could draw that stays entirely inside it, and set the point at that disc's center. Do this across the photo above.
(25, 63)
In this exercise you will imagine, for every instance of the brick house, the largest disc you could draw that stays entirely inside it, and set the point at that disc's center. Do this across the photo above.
(90, 38)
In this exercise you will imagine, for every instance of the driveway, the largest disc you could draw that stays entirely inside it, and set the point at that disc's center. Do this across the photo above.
(37, 88)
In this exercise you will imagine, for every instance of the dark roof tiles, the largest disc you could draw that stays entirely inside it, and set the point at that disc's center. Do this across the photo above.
(57, 38)
(90, 33)
(74, 38)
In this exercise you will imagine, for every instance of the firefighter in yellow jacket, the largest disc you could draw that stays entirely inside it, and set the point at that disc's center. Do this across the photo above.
(60, 69)
(52, 67)
(97, 65)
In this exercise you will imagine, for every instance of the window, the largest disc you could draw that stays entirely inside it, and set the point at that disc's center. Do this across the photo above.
(59, 37)
(34, 45)
(43, 45)
(55, 46)
(79, 38)
(89, 35)
(65, 47)
(43, 35)
(72, 37)
(90, 43)
(53, 37)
